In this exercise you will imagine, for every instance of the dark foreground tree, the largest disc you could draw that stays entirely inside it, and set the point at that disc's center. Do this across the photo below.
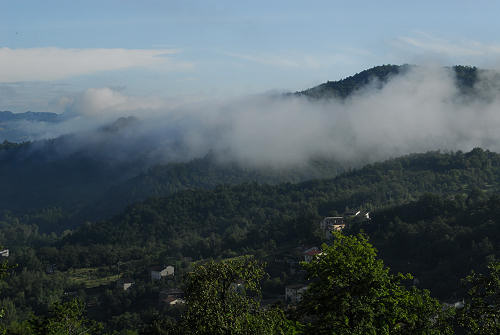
(352, 292)
(5, 267)
(481, 312)
(224, 298)
(65, 319)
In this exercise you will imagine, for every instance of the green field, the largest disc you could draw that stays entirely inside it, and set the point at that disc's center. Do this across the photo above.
(90, 277)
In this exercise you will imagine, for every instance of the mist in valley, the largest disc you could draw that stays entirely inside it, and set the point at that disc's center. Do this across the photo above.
(418, 110)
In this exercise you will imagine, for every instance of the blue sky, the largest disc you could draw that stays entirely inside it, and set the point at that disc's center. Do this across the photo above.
(170, 49)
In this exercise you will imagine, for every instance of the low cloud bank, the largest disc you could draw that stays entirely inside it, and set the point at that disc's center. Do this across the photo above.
(417, 111)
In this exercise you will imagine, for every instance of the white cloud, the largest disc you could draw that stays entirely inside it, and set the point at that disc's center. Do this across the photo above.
(108, 103)
(416, 111)
(292, 60)
(438, 46)
(40, 64)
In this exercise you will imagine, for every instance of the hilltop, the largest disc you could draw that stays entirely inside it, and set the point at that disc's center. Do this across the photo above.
(378, 76)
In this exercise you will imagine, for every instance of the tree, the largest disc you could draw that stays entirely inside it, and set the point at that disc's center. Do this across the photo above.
(65, 319)
(352, 292)
(224, 298)
(481, 312)
(4, 270)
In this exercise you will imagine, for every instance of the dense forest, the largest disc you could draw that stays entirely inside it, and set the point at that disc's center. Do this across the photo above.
(87, 186)
(434, 215)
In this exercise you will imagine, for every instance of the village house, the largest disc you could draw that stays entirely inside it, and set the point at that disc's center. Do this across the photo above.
(352, 213)
(158, 272)
(456, 305)
(124, 283)
(357, 214)
(332, 223)
(4, 253)
(310, 253)
(293, 293)
(177, 302)
(173, 296)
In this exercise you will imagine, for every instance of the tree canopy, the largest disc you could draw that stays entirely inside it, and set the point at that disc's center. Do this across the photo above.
(481, 312)
(353, 292)
(224, 298)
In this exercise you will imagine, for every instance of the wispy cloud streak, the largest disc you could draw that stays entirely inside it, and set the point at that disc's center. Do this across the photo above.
(433, 45)
(43, 64)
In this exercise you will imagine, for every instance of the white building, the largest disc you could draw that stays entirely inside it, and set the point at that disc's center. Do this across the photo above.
(124, 284)
(158, 272)
(332, 223)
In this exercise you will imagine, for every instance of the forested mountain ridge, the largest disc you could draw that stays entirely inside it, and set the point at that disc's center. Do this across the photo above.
(437, 237)
(34, 178)
(466, 77)
(345, 87)
(92, 188)
(95, 174)
(29, 116)
(204, 174)
(19, 127)
(393, 182)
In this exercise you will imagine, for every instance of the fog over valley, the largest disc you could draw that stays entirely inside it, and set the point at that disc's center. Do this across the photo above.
(419, 109)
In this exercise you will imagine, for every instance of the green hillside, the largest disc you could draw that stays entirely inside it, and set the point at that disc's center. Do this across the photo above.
(466, 78)
(439, 238)
(228, 221)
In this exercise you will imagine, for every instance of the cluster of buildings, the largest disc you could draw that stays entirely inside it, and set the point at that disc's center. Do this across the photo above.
(337, 223)
(293, 293)
(171, 296)
(155, 272)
